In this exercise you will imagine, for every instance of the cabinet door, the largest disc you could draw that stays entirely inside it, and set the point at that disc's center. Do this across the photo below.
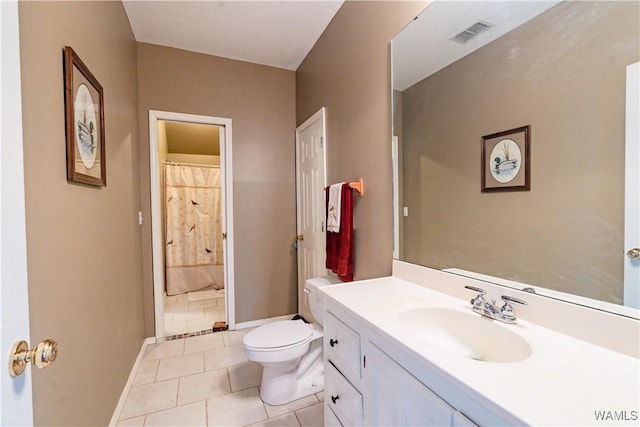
(401, 400)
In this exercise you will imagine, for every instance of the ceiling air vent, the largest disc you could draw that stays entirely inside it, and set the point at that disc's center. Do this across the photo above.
(471, 32)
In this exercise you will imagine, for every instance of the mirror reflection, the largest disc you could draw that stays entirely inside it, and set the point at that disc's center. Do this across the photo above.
(559, 68)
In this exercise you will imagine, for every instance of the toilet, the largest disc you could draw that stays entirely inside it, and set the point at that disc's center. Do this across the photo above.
(290, 352)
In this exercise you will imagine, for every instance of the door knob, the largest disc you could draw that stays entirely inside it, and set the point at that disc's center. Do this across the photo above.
(634, 253)
(43, 355)
(300, 237)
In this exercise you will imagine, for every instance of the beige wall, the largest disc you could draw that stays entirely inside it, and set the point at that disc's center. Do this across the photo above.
(567, 232)
(84, 261)
(261, 102)
(348, 72)
(197, 159)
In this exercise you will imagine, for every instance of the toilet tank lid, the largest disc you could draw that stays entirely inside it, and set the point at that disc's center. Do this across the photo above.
(278, 334)
(321, 281)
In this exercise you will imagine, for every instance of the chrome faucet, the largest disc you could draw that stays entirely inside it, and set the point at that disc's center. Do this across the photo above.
(491, 310)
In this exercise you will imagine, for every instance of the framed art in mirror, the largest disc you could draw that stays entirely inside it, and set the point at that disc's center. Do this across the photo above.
(506, 160)
(84, 123)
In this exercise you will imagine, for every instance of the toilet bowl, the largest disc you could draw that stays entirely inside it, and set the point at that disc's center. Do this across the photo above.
(290, 352)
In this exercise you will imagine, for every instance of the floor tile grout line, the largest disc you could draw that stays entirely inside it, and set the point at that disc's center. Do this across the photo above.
(206, 411)
(166, 409)
(177, 392)
(295, 414)
(264, 405)
(264, 408)
(229, 379)
(121, 420)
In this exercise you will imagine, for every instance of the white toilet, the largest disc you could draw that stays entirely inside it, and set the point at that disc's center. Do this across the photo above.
(290, 352)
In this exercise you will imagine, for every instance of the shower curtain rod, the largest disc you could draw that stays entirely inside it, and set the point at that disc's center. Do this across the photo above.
(191, 164)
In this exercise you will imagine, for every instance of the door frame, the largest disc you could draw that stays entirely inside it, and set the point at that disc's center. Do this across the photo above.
(156, 220)
(16, 404)
(631, 293)
(318, 115)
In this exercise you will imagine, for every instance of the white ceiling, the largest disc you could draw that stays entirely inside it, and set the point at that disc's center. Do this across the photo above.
(278, 33)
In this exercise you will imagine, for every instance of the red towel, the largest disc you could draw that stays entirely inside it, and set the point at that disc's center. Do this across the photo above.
(340, 245)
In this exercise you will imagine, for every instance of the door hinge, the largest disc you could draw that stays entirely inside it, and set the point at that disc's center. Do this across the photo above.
(321, 142)
(364, 361)
(224, 236)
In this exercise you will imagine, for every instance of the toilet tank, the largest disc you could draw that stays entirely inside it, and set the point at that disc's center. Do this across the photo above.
(315, 298)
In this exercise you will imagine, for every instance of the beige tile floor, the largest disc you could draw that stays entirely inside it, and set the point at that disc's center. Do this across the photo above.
(207, 381)
(193, 311)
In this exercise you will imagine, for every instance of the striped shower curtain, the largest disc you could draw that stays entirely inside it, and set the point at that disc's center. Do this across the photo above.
(193, 243)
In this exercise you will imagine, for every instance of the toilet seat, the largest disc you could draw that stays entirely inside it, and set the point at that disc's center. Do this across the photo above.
(279, 335)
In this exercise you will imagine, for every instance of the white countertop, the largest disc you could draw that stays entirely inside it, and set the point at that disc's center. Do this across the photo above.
(563, 382)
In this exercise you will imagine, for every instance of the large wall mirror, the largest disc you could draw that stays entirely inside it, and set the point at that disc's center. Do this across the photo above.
(465, 71)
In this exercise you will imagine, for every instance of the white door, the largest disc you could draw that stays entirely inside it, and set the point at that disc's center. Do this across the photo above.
(15, 394)
(632, 190)
(310, 183)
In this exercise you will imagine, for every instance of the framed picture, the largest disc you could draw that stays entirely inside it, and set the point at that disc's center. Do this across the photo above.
(506, 160)
(84, 116)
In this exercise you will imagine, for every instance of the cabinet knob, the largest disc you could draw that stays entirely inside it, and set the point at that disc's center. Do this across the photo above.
(335, 398)
(333, 342)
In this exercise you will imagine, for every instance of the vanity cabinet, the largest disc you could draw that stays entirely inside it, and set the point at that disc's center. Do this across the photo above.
(365, 386)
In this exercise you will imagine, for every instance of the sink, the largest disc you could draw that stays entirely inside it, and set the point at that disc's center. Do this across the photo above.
(466, 334)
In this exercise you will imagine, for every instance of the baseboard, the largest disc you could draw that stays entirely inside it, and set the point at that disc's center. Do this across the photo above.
(127, 387)
(255, 323)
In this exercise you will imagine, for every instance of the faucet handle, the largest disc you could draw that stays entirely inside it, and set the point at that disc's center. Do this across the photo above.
(478, 300)
(507, 299)
(506, 311)
(478, 290)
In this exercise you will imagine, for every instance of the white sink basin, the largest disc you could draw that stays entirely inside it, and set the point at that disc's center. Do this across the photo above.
(466, 334)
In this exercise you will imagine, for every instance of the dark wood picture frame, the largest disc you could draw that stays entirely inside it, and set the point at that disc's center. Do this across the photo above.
(84, 123)
(506, 160)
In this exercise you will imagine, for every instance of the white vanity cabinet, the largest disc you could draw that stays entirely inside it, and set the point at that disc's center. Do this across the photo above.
(385, 366)
(364, 386)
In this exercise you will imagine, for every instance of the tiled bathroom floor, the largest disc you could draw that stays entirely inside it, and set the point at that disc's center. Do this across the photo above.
(207, 381)
(193, 312)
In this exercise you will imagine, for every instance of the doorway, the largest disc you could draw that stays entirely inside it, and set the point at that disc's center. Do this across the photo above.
(193, 282)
